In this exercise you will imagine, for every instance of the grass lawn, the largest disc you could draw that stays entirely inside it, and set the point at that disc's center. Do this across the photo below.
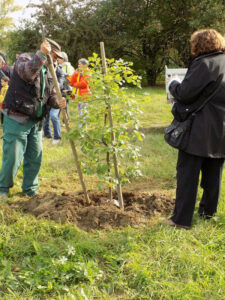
(41, 259)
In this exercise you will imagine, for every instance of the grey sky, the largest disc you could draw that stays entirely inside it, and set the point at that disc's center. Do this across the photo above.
(24, 13)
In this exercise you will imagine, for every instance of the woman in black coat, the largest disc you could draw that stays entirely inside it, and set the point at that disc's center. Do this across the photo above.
(206, 147)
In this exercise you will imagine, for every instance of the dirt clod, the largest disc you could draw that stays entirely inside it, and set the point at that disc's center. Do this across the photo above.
(100, 213)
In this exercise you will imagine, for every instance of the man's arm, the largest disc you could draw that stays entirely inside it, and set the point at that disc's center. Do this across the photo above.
(28, 67)
(54, 102)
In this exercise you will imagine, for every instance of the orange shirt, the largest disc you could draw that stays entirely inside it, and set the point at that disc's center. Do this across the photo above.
(80, 82)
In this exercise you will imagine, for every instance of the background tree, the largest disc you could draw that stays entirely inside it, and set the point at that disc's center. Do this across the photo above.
(25, 39)
(129, 28)
(179, 19)
(150, 33)
(6, 22)
(71, 23)
(132, 30)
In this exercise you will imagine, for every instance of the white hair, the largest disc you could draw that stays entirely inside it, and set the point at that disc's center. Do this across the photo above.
(64, 56)
(83, 61)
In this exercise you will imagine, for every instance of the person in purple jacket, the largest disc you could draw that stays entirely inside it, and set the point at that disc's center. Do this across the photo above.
(30, 96)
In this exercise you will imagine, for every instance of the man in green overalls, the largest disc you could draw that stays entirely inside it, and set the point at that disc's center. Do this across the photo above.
(30, 96)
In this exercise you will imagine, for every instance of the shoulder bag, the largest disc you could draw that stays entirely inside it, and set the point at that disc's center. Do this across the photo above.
(178, 132)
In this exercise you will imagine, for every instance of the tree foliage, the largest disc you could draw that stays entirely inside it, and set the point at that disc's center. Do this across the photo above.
(70, 22)
(179, 19)
(6, 22)
(26, 39)
(151, 33)
(94, 137)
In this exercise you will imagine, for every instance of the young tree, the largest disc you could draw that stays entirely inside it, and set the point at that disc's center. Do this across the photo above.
(95, 135)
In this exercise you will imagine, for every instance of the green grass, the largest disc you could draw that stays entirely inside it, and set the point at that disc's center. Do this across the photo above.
(40, 259)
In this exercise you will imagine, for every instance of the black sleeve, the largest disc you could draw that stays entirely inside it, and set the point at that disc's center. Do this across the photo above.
(197, 78)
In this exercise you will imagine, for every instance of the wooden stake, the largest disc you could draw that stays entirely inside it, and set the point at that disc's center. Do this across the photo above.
(59, 96)
(113, 139)
(108, 162)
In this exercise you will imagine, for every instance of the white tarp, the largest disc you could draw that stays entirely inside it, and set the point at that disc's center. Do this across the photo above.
(170, 73)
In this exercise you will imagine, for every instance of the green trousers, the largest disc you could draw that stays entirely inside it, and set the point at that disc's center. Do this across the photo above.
(21, 142)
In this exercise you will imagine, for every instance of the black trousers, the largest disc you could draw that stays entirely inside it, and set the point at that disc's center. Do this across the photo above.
(188, 170)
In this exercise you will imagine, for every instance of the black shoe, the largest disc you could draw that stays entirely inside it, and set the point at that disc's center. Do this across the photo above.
(204, 216)
(173, 224)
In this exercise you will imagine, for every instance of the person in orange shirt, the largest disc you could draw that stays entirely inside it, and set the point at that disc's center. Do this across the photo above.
(79, 81)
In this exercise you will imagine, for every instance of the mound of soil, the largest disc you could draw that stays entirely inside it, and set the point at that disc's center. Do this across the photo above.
(101, 213)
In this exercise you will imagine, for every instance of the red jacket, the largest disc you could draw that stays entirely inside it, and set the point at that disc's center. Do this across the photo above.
(80, 82)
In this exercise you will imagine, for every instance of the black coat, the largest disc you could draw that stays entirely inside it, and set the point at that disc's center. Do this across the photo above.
(207, 137)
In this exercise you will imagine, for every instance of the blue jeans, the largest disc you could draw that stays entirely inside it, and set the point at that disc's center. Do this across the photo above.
(54, 117)
(21, 142)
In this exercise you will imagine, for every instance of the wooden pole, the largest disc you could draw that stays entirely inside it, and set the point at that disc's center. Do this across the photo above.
(59, 96)
(108, 162)
(113, 139)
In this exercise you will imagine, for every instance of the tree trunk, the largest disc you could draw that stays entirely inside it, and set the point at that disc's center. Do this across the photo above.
(151, 76)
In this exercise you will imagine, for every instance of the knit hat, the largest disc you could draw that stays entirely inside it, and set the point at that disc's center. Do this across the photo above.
(55, 47)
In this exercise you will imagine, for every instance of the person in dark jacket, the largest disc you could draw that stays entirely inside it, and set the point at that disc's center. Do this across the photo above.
(205, 152)
(30, 95)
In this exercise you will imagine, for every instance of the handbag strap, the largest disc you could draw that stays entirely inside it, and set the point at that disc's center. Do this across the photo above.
(218, 81)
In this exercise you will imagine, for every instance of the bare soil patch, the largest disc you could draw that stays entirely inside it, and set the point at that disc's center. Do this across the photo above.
(139, 207)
